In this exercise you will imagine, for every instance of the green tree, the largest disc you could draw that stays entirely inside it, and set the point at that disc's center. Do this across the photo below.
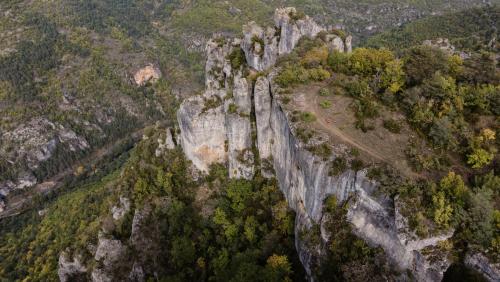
(367, 62)
(479, 158)
(422, 62)
(278, 268)
(442, 210)
(393, 77)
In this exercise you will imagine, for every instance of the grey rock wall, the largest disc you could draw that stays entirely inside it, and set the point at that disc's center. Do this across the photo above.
(482, 264)
(223, 134)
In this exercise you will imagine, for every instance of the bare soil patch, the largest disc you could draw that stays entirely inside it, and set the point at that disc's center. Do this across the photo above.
(338, 121)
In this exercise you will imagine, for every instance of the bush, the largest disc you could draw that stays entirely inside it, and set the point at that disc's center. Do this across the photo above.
(296, 16)
(232, 109)
(357, 164)
(304, 134)
(322, 150)
(393, 126)
(367, 62)
(237, 58)
(325, 104)
(319, 74)
(211, 103)
(359, 88)
(479, 158)
(337, 166)
(307, 117)
(315, 57)
(355, 152)
(340, 33)
(422, 62)
(338, 61)
(292, 75)
(323, 92)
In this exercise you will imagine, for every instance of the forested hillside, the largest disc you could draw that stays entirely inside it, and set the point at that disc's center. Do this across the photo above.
(82, 81)
(469, 30)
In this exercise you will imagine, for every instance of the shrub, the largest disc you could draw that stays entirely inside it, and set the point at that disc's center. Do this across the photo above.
(319, 74)
(292, 75)
(322, 150)
(338, 61)
(298, 15)
(237, 58)
(220, 41)
(422, 62)
(354, 152)
(307, 117)
(304, 134)
(257, 40)
(323, 92)
(392, 125)
(232, 109)
(330, 204)
(393, 77)
(441, 134)
(285, 100)
(315, 57)
(358, 88)
(340, 33)
(357, 164)
(325, 104)
(365, 108)
(337, 166)
(366, 62)
(479, 158)
(211, 103)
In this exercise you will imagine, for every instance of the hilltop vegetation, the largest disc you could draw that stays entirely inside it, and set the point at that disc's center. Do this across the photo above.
(451, 105)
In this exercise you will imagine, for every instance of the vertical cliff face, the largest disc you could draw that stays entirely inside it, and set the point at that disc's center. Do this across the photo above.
(217, 127)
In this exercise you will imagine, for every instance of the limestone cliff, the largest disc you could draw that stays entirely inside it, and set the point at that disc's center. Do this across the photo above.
(218, 126)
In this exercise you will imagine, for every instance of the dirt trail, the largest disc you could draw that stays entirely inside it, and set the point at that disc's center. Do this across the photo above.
(331, 128)
(337, 122)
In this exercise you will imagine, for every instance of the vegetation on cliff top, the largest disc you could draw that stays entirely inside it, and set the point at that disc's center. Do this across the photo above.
(451, 105)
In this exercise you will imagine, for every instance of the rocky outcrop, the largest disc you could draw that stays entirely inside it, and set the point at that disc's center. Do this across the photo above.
(239, 131)
(262, 98)
(216, 127)
(482, 264)
(444, 45)
(109, 251)
(305, 182)
(146, 74)
(292, 27)
(71, 270)
(36, 142)
(121, 209)
(165, 144)
(262, 46)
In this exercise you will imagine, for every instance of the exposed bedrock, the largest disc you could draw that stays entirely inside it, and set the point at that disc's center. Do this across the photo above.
(217, 127)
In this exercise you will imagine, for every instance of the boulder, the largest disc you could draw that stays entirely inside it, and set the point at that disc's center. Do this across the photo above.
(146, 74)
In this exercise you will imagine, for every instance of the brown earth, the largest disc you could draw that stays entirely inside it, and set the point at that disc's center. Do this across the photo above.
(338, 121)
